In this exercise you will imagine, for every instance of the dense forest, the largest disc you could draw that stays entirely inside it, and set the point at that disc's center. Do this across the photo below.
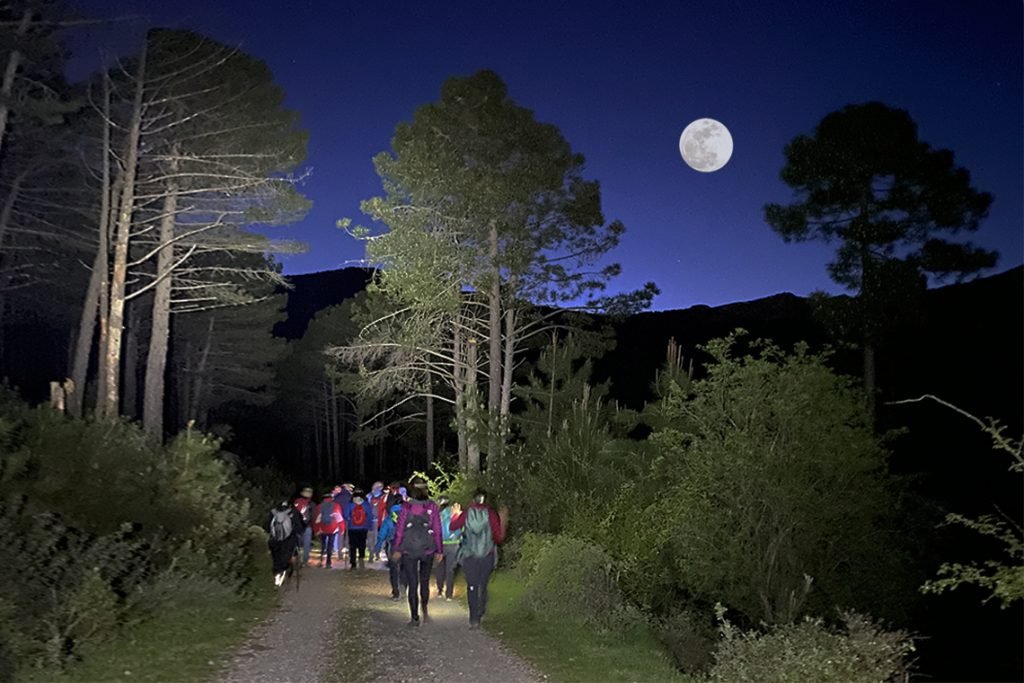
(832, 477)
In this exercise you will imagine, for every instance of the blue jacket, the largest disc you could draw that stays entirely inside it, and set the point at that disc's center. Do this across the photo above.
(449, 537)
(387, 529)
(348, 516)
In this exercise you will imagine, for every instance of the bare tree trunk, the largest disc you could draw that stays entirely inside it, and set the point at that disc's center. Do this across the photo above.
(472, 405)
(508, 366)
(459, 374)
(10, 72)
(103, 321)
(156, 360)
(130, 393)
(494, 439)
(111, 384)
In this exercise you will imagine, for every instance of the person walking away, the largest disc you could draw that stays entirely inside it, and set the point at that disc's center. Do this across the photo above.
(417, 545)
(378, 504)
(307, 512)
(482, 529)
(328, 523)
(385, 541)
(342, 496)
(450, 541)
(358, 519)
(283, 529)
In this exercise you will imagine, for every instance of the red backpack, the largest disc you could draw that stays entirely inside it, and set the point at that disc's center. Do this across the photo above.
(359, 515)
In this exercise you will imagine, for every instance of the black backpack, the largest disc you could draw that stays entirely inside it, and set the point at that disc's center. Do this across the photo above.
(418, 537)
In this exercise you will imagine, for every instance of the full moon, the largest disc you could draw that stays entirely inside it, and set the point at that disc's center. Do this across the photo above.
(705, 145)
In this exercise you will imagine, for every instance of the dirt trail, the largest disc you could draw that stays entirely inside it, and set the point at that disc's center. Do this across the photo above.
(342, 626)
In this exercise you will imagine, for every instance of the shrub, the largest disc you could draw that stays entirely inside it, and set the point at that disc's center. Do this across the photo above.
(525, 552)
(858, 652)
(690, 638)
(775, 475)
(575, 580)
(100, 527)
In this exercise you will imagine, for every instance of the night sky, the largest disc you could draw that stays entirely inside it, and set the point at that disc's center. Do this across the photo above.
(622, 80)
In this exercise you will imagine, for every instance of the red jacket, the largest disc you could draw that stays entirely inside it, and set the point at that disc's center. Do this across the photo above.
(328, 518)
(497, 532)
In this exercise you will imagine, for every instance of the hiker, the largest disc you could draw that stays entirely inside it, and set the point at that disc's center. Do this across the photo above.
(450, 541)
(393, 498)
(342, 496)
(307, 512)
(483, 529)
(283, 528)
(385, 541)
(358, 520)
(417, 545)
(329, 523)
(377, 499)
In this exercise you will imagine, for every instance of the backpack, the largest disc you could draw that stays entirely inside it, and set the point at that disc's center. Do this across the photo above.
(418, 537)
(476, 537)
(329, 524)
(280, 525)
(358, 515)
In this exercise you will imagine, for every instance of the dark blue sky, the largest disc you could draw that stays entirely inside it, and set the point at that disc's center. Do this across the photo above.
(621, 80)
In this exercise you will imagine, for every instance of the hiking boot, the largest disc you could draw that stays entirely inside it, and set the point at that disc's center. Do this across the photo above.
(426, 616)
(414, 623)
(474, 625)
(396, 597)
(447, 598)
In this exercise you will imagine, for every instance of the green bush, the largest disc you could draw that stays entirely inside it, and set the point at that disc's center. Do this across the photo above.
(100, 527)
(575, 580)
(858, 652)
(525, 551)
(773, 474)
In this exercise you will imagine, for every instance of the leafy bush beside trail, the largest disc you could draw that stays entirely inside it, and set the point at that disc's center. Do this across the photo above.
(100, 529)
(859, 652)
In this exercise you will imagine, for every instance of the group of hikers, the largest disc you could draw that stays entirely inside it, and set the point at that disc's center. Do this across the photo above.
(402, 526)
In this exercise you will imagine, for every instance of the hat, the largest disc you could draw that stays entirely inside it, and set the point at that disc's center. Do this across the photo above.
(326, 496)
(307, 492)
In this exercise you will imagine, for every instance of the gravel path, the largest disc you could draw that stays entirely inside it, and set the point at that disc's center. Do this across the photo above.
(343, 627)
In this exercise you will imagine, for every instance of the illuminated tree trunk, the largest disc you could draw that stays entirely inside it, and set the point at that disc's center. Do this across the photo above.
(111, 382)
(156, 360)
(494, 435)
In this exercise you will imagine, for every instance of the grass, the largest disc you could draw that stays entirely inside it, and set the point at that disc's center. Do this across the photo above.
(180, 644)
(569, 652)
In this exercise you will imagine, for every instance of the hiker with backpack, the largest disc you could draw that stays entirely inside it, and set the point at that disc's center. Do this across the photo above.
(450, 540)
(342, 496)
(307, 512)
(482, 529)
(385, 541)
(329, 523)
(283, 530)
(417, 545)
(377, 499)
(358, 519)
